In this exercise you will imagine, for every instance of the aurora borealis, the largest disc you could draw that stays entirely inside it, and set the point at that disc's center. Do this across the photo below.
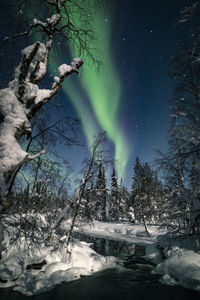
(128, 98)
(103, 90)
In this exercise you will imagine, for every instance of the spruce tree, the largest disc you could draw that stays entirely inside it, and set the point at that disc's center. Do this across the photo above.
(114, 203)
(101, 195)
(146, 193)
(124, 201)
(135, 188)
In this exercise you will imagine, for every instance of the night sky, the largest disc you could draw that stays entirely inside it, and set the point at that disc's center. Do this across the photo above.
(129, 97)
(142, 40)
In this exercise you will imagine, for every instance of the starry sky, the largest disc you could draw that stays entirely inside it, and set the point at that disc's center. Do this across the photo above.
(138, 39)
(128, 98)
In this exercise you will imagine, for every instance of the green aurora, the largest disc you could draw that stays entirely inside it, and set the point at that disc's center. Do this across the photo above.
(103, 90)
(76, 97)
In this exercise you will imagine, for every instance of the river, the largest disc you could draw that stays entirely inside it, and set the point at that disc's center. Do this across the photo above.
(134, 281)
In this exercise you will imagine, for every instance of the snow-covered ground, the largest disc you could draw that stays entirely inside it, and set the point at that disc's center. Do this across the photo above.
(180, 266)
(61, 265)
(132, 233)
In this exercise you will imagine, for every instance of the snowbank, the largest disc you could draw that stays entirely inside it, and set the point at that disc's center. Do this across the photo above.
(33, 266)
(80, 260)
(182, 268)
(181, 265)
(132, 233)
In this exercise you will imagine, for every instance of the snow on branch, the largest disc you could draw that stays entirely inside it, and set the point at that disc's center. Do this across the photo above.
(47, 26)
(21, 101)
(45, 95)
(23, 98)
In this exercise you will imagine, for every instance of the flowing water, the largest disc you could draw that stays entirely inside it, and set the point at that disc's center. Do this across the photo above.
(134, 281)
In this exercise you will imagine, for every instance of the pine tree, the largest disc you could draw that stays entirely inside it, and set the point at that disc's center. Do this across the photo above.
(115, 198)
(101, 195)
(124, 201)
(114, 184)
(136, 186)
(146, 193)
(87, 208)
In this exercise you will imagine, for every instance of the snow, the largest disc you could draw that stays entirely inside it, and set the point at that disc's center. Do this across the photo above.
(56, 266)
(42, 94)
(89, 259)
(11, 267)
(14, 117)
(38, 22)
(54, 18)
(41, 71)
(63, 69)
(18, 100)
(39, 57)
(13, 112)
(132, 233)
(77, 61)
(184, 269)
(65, 212)
(62, 265)
(181, 266)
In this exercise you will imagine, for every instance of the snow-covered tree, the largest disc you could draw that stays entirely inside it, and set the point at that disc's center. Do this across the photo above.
(124, 202)
(86, 211)
(181, 164)
(100, 201)
(146, 193)
(114, 197)
(136, 186)
(89, 170)
(24, 98)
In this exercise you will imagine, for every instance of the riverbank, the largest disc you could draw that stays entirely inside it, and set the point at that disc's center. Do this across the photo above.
(36, 268)
(177, 259)
(35, 264)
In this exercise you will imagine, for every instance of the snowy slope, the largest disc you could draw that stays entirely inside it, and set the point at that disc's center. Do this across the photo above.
(133, 233)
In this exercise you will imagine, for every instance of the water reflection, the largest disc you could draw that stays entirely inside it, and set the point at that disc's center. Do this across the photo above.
(108, 247)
